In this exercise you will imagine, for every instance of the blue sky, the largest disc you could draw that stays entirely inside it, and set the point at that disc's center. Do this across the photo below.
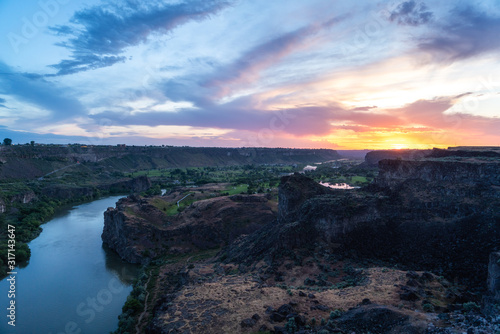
(316, 73)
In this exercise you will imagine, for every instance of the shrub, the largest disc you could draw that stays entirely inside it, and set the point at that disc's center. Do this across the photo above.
(291, 326)
(470, 307)
(335, 314)
(428, 307)
(132, 304)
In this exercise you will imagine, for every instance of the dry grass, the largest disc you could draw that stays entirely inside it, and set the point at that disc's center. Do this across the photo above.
(220, 304)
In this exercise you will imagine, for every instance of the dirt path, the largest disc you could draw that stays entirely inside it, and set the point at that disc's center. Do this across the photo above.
(57, 170)
(137, 327)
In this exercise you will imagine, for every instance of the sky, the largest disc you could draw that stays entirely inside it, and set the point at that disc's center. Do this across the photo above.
(361, 74)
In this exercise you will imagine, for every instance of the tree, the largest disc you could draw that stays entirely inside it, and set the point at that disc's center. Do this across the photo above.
(7, 141)
(32, 143)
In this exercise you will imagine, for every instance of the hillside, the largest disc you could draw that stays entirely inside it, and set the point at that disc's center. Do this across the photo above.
(409, 253)
(29, 162)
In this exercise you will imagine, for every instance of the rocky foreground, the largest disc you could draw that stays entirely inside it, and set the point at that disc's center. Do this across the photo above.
(414, 252)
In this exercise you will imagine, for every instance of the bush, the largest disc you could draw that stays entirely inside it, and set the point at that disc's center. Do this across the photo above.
(291, 326)
(133, 305)
(428, 307)
(470, 307)
(335, 314)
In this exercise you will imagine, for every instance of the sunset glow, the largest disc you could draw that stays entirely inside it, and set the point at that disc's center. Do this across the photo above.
(345, 75)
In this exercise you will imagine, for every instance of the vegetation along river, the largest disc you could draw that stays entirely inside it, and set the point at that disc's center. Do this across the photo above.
(72, 283)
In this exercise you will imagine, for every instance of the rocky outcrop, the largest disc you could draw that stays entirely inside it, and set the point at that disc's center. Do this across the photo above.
(139, 231)
(372, 158)
(379, 319)
(65, 192)
(395, 172)
(492, 298)
(294, 191)
(135, 185)
(3, 207)
(440, 216)
(494, 275)
(468, 153)
(24, 197)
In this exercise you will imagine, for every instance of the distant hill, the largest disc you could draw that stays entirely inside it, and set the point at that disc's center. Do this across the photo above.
(27, 162)
(353, 154)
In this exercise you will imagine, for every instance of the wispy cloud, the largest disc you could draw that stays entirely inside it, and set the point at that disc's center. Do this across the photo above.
(2, 101)
(247, 67)
(43, 94)
(99, 35)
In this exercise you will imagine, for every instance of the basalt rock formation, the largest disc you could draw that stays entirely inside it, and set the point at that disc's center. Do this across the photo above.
(139, 231)
(430, 215)
(372, 158)
(491, 300)
(62, 191)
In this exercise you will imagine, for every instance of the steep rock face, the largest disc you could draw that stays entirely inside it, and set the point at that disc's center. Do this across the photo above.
(135, 185)
(372, 158)
(24, 197)
(294, 191)
(494, 275)
(62, 192)
(440, 216)
(3, 207)
(379, 319)
(138, 231)
(489, 152)
(394, 172)
(138, 184)
(492, 298)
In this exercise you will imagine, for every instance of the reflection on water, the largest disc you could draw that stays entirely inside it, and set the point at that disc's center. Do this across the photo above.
(337, 185)
(72, 282)
(125, 272)
(309, 168)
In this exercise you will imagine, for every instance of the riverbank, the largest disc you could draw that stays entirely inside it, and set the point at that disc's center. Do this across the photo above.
(31, 204)
(72, 281)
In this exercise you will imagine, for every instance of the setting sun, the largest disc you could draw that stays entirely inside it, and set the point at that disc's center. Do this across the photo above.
(399, 146)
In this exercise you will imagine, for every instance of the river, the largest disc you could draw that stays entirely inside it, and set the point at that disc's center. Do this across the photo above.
(72, 283)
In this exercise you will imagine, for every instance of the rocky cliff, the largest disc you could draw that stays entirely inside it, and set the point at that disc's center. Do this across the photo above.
(394, 172)
(138, 230)
(27, 162)
(129, 185)
(372, 158)
(435, 215)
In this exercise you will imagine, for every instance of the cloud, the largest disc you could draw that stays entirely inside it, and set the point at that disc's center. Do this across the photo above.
(2, 105)
(247, 67)
(411, 13)
(45, 95)
(434, 114)
(465, 33)
(100, 34)
(249, 114)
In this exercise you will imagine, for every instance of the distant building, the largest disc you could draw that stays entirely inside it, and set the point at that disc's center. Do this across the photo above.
(121, 145)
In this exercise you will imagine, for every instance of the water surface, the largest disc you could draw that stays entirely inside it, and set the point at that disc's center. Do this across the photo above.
(72, 284)
(338, 185)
